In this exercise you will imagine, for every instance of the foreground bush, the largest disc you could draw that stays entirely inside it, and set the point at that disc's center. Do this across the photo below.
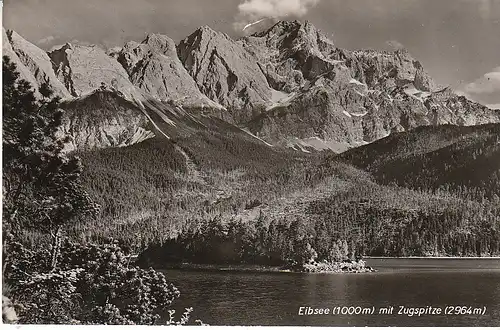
(92, 285)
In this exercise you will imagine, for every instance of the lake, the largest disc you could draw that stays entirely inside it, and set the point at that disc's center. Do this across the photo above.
(431, 287)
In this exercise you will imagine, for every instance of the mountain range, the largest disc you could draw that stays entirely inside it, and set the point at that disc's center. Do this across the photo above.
(280, 129)
(288, 86)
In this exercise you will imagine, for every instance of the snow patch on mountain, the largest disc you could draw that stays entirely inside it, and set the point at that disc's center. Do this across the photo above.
(315, 143)
(279, 98)
(356, 82)
(256, 137)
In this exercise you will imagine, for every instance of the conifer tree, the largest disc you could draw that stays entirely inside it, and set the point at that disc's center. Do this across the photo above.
(68, 282)
(41, 182)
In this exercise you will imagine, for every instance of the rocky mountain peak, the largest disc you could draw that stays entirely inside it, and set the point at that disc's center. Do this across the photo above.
(382, 70)
(201, 37)
(154, 44)
(205, 29)
(203, 33)
(224, 71)
(154, 67)
(294, 34)
(33, 63)
(82, 69)
(160, 43)
(280, 28)
(286, 27)
(291, 53)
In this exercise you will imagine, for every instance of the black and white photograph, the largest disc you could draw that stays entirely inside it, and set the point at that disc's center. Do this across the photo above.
(321, 163)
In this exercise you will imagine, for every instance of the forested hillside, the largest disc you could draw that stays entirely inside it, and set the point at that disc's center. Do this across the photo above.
(230, 198)
(148, 191)
(465, 160)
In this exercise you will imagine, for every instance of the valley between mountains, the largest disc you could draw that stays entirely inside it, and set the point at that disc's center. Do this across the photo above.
(273, 149)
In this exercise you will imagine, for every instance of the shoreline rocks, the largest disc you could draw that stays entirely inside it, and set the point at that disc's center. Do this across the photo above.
(314, 267)
(336, 267)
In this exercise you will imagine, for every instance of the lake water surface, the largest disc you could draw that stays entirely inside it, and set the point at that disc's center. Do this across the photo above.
(253, 298)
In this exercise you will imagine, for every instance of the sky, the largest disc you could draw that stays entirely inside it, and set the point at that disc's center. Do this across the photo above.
(457, 41)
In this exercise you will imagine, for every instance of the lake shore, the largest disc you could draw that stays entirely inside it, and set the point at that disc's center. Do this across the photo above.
(360, 266)
(366, 265)
(315, 267)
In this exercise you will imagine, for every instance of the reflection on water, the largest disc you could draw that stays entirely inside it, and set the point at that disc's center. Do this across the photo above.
(233, 298)
(434, 264)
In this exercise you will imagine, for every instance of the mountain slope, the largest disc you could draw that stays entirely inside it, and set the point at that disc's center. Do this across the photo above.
(160, 185)
(103, 119)
(342, 216)
(106, 118)
(433, 157)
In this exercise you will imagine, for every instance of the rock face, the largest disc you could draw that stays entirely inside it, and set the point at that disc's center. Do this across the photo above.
(103, 119)
(225, 72)
(7, 50)
(154, 67)
(290, 53)
(293, 52)
(83, 69)
(33, 63)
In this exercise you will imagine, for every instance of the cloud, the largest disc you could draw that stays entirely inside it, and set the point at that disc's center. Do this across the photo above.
(46, 40)
(460, 92)
(252, 10)
(485, 8)
(487, 84)
(395, 44)
(494, 106)
(485, 90)
(276, 8)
